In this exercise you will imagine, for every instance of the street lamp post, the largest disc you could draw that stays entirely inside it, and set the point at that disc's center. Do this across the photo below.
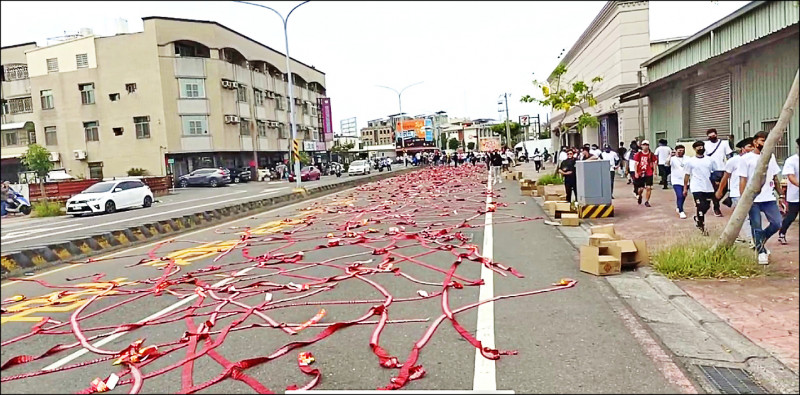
(508, 127)
(289, 79)
(400, 103)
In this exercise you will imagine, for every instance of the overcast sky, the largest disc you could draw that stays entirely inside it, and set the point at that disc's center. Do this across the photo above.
(467, 53)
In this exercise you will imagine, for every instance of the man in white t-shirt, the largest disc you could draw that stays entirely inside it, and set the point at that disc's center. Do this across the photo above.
(663, 152)
(676, 163)
(613, 161)
(744, 146)
(765, 201)
(698, 172)
(718, 150)
(791, 169)
(595, 151)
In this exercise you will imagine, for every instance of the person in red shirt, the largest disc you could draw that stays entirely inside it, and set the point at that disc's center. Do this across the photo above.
(643, 177)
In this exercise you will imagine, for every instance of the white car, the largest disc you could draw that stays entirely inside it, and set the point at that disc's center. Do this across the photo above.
(109, 196)
(359, 167)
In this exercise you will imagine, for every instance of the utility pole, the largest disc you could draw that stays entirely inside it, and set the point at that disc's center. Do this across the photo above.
(508, 126)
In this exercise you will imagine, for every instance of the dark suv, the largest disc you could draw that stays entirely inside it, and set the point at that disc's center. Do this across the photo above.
(208, 176)
(240, 174)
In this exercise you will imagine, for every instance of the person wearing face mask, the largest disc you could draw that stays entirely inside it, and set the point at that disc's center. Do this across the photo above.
(645, 165)
(676, 163)
(613, 160)
(744, 146)
(791, 169)
(663, 152)
(698, 172)
(595, 151)
(567, 170)
(718, 150)
(765, 202)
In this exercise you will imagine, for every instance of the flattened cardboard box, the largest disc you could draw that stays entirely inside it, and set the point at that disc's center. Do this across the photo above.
(632, 252)
(606, 229)
(600, 261)
(564, 206)
(598, 239)
(552, 197)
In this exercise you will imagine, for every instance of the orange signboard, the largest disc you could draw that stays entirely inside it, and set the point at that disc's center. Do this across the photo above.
(411, 128)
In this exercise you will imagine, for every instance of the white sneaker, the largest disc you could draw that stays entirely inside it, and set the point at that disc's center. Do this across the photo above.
(682, 215)
(677, 210)
(763, 259)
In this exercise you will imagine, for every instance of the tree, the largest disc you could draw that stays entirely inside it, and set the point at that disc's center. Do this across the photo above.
(37, 159)
(305, 159)
(453, 143)
(340, 148)
(560, 94)
(513, 127)
(728, 236)
(471, 145)
(443, 140)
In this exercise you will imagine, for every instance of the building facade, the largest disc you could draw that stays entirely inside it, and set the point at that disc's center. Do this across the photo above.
(612, 47)
(733, 76)
(377, 132)
(180, 95)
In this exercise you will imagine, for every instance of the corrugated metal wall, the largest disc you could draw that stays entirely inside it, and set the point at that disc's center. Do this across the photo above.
(760, 86)
(666, 114)
(760, 22)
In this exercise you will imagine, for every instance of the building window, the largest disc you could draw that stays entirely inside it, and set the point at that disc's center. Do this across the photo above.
(10, 138)
(87, 93)
(113, 96)
(282, 131)
(52, 65)
(782, 147)
(142, 125)
(315, 134)
(21, 105)
(241, 93)
(244, 127)
(130, 87)
(13, 72)
(262, 128)
(92, 131)
(31, 137)
(258, 98)
(279, 103)
(313, 110)
(50, 137)
(82, 60)
(96, 170)
(192, 88)
(195, 125)
(117, 131)
(47, 99)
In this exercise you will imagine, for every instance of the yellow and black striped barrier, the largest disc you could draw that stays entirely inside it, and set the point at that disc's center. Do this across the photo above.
(596, 211)
(296, 149)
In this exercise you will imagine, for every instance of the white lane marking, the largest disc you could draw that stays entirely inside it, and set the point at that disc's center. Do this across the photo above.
(21, 233)
(63, 361)
(139, 217)
(128, 250)
(485, 377)
(194, 200)
(401, 391)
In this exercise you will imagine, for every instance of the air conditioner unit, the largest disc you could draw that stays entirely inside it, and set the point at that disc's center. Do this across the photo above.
(231, 119)
(273, 124)
(298, 101)
(226, 84)
(55, 157)
(270, 94)
(79, 154)
(234, 84)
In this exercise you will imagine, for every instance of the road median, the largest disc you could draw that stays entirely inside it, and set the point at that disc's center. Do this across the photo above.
(31, 259)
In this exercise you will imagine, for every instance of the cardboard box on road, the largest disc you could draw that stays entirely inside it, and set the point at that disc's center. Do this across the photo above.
(597, 239)
(606, 229)
(570, 219)
(564, 206)
(540, 190)
(632, 252)
(550, 197)
(600, 261)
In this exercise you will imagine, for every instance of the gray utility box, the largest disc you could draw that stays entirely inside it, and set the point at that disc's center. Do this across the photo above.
(594, 182)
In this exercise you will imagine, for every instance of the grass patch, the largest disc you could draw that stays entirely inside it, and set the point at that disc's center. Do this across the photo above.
(692, 258)
(550, 179)
(46, 209)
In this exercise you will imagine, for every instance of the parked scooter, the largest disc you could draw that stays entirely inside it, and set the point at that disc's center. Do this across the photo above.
(17, 203)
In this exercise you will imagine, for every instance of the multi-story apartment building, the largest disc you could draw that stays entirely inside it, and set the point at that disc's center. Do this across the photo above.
(377, 132)
(180, 95)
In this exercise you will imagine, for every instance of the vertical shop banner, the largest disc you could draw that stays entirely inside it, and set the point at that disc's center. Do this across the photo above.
(428, 129)
(327, 121)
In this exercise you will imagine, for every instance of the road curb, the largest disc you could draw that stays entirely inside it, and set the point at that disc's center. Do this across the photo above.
(18, 262)
(764, 367)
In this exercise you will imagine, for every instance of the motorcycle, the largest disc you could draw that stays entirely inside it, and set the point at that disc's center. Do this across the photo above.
(17, 203)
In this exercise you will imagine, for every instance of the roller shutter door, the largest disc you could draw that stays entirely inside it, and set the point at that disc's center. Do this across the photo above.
(710, 107)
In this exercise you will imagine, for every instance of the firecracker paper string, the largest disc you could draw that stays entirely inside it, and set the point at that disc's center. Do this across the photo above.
(429, 208)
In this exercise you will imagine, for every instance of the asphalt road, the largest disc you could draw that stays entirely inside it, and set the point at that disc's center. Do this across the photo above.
(20, 232)
(568, 340)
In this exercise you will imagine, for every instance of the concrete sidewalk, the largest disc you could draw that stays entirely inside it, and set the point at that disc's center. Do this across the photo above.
(764, 309)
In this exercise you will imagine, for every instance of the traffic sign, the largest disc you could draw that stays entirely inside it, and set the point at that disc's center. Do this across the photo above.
(524, 120)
